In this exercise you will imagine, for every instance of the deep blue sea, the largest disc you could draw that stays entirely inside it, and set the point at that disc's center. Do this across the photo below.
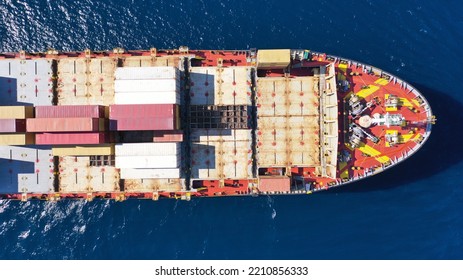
(413, 211)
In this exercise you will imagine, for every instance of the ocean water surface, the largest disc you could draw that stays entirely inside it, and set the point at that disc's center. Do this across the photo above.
(413, 211)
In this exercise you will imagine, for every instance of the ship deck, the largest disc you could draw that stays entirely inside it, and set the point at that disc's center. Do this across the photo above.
(371, 156)
(247, 129)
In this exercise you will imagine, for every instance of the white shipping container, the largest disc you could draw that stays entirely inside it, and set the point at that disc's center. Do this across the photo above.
(147, 73)
(147, 149)
(148, 161)
(146, 85)
(220, 135)
(163, 97)
(150, 173)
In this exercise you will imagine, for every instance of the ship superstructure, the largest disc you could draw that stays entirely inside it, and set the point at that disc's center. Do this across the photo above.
(181, 123)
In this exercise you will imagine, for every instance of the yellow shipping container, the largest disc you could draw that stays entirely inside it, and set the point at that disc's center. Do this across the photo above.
(17, 139)
(100, 150)
(177, 117)
(16, 112)
(106, 112)
(273, 59)
(101, 124)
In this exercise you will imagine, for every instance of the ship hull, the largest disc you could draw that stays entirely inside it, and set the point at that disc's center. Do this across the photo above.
(183, 123)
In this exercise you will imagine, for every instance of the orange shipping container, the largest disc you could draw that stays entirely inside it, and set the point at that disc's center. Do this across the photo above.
(168, 136)
(274, 184)
(69, 138)
(152, 123)
(70, 111)
(63, 125)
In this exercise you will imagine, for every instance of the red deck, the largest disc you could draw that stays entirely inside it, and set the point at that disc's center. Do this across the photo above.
(409, 108)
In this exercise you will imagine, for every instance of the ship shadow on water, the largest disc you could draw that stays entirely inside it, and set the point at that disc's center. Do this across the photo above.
(443, 149)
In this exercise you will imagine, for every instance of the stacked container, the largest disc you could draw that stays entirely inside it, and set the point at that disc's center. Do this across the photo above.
(68, 124)
(168, 136)
(147, 99)
(147, 85)
(101, 150)
(63, 125)
(69, 138)
(13, 125)
(148, 160)
(143, 117)
(70, 111)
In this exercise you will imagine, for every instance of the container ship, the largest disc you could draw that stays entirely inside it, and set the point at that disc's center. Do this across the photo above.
(183, 123)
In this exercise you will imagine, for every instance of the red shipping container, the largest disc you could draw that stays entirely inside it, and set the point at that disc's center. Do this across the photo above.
(12, 125)
(168, 136)
(142, 111)
(62, 125)
(69, 138)
(274, 184)
(129, 124)
(70, 111)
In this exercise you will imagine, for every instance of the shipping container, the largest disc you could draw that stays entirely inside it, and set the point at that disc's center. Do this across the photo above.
(17, 139)
(69, 138)
(147, 73)
(177, 118)
(150, 173)
(16, 112)
(164, 97)
(147, 149)
(70, 111)
(274, 184)
(153, 123)
(63, 124)
(101, 150)
(147, 161)
(146, 85)
(142, 111)
(220, 135)
(273, 59)
(12, 125)
(168, 136)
